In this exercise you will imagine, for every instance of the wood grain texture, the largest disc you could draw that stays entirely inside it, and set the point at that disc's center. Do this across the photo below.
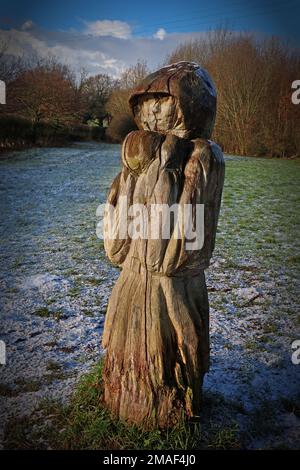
(156, 332)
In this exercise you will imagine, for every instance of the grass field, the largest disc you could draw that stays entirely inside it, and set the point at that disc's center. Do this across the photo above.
(251, 394)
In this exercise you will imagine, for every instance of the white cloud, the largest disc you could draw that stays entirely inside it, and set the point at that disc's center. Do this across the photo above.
(160, 34)
(114, 28)
(27, 25)
(25, 43)
(21, 43)
(97, 54)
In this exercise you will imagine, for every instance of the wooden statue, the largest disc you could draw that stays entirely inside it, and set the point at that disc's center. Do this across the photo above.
(156, 332)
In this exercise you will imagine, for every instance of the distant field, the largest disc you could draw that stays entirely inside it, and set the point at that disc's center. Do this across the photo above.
(55, 284)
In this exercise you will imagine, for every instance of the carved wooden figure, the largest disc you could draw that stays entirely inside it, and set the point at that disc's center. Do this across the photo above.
(156, 332)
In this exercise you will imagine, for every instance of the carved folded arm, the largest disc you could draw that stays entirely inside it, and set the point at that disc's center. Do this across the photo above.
(192, 243)
(116, 239)
(165, 194)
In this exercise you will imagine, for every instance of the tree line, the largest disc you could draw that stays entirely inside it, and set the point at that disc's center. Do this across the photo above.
(255, 113)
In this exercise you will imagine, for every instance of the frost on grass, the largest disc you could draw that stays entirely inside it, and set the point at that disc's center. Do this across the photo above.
(55, 284)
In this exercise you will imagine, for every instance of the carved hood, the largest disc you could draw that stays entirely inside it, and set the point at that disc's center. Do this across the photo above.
(192, 98)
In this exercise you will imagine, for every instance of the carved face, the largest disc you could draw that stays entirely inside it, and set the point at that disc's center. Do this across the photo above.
(159, 113)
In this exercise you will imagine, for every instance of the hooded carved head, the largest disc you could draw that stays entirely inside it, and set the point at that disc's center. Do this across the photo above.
(178, 99)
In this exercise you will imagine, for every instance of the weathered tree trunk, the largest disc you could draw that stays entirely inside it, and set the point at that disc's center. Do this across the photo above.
(156, 331)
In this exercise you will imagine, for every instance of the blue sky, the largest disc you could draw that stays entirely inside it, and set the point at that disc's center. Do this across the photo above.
(270, 16)
(114, 34)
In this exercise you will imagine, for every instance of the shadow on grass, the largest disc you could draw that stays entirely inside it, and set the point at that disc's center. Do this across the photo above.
(85, 424)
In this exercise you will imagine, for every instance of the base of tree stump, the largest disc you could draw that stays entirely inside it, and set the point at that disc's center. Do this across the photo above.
(133, 400)
(156, 335)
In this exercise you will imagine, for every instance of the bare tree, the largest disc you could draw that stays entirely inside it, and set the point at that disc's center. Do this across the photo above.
(10, 65)
(117, 105)
(95, 93)
(133, 75)
(254, 114)
(43, 94)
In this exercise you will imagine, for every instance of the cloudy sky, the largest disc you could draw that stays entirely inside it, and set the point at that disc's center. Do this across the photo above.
(109, 36)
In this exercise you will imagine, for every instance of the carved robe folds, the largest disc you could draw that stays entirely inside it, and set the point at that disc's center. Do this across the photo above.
(157, 324)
